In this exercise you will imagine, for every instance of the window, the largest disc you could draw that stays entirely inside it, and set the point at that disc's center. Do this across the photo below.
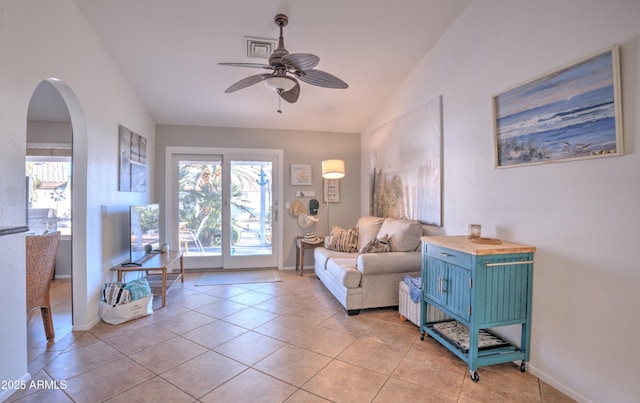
(49, 191)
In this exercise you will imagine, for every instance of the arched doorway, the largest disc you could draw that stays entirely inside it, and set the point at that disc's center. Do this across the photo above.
(56, 125)
(48, 189)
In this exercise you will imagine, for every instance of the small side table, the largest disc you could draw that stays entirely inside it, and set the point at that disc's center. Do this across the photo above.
(301, 245)
(153, 263)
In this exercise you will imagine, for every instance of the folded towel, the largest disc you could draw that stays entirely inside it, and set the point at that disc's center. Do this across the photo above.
(414, 284)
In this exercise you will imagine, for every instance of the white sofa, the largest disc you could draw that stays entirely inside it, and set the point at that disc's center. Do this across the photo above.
(370, 280)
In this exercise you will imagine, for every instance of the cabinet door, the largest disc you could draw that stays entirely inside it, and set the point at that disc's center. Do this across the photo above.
(458, 291)
(435, 280)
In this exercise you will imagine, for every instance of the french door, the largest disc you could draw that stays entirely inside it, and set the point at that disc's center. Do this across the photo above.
(224, 207)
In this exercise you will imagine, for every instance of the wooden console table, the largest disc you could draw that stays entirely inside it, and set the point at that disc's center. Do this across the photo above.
(155, 262)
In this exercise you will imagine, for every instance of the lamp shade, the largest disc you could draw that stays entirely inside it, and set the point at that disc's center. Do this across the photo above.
(333, 169)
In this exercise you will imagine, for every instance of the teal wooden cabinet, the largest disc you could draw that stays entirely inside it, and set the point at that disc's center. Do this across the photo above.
(448, 287)
(478, 286)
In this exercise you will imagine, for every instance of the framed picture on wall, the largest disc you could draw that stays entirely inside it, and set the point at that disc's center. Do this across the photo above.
(331, 190)
(300, 174)
(132, 161)
(124, 159)
(405, 168)
(571, 113)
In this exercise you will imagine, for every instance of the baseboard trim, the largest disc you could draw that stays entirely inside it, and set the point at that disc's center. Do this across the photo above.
(558, 385)
(85, 327)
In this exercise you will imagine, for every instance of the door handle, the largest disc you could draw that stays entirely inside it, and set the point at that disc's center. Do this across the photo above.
(275, 211)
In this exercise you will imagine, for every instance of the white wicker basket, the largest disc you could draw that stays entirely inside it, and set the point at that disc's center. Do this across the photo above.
(406, 307)
(411, 310)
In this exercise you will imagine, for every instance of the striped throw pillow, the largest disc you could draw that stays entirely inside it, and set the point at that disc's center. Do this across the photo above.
(115, 294)
(343, 240)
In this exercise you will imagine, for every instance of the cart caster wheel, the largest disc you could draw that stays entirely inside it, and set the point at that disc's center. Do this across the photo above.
(474, 376)
(523, 367)
(421, 335)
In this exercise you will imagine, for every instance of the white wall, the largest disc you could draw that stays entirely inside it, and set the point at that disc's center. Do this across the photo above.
(299, 147)
(583, 216)
(40, 39)
(49, 132)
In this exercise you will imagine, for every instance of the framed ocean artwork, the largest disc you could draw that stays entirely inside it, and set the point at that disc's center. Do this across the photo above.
(571, 113)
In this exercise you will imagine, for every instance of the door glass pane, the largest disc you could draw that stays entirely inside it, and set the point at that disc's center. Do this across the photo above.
(200, 207)
(251, 212)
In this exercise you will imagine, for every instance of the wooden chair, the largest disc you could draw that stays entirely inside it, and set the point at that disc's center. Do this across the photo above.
(41, 261)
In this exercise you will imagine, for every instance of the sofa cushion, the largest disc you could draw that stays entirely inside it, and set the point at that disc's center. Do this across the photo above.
(368, 228)
(344, 271)
(377, 245)
(343, 240)
(403, 234)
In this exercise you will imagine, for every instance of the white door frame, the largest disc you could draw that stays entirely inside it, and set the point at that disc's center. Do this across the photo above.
(169, 197)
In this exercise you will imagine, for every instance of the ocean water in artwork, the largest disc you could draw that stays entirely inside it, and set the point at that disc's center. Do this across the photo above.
(569, 114)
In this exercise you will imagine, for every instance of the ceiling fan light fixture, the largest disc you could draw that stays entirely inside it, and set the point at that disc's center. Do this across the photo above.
(280, 83)
(287, 68)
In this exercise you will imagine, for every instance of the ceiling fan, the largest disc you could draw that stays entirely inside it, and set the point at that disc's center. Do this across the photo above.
(287, 68)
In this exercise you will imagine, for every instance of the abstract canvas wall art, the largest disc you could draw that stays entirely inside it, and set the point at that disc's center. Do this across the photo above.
(405, 166)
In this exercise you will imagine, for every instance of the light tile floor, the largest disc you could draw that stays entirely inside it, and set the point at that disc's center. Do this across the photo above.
(288, 341)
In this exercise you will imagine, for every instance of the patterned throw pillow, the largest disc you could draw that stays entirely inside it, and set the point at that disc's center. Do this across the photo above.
(138, 288)
(343, 240)
(380, 245)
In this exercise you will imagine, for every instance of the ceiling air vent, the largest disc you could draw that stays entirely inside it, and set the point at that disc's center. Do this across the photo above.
(259, 48)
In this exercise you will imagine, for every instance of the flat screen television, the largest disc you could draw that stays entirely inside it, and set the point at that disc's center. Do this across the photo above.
(144, 226)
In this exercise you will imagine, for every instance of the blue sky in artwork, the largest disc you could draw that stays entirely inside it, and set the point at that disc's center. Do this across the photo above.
(592, 74)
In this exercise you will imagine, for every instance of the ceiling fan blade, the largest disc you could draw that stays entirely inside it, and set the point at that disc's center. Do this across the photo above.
(252, 65)
(245, 82)
(301, 61)
(292, 95)
(321, 79)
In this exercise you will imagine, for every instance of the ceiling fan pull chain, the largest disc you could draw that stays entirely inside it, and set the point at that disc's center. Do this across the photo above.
(279, 104)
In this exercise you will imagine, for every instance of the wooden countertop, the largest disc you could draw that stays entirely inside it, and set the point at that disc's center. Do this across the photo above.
(464, 244)
(13, 230)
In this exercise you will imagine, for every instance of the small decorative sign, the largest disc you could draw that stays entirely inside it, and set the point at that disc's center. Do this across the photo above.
(300, 174)
(332, 190)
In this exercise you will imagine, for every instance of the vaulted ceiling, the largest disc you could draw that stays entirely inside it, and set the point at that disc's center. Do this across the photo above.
(169, 51)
